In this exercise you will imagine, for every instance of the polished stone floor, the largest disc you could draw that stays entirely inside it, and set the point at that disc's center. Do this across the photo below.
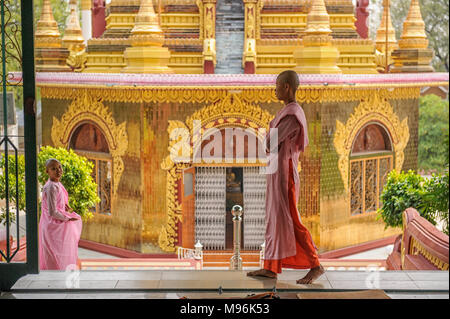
(173, 284)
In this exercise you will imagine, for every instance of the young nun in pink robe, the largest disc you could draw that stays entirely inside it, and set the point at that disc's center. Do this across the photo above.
(59, 226)
(287, 242)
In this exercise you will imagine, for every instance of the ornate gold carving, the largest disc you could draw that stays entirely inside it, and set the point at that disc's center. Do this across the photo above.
(416, 248)
(173, 94)
(87, 108)
(228, 110)
(207, 10)
(372, 109)
(77, 60)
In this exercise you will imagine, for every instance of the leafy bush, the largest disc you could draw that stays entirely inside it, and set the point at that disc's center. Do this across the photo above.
(436, 198)
(404, 190)
(76, 178)
(433, 133)
(14, 188)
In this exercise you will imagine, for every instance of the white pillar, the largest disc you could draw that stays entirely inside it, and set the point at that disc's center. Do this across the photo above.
(86, 19)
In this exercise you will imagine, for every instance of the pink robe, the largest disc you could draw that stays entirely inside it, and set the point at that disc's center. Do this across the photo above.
(58, 237)
(292, 139)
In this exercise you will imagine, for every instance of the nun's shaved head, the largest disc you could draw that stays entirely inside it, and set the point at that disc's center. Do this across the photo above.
(290, 77)
(51, 160)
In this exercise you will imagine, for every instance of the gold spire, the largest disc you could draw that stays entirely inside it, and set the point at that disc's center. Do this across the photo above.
(147, 54)
(47, 33)
(318, 20)
(381, 32)
(73, 37)
(317, 54)
(147, 30)
(413, 35)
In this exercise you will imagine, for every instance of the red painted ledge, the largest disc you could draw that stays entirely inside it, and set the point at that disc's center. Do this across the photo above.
(118, 252)
(356, 249)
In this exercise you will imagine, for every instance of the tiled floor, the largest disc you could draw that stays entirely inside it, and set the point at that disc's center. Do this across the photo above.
(169, 284)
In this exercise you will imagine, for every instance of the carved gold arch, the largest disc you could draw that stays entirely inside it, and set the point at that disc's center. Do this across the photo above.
(85, 108)
(372, 109)
(231, 111)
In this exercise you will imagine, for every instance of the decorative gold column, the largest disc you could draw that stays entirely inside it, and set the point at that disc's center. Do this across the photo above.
(317, 55)
(50, 55)
(380, 41)
(249, 54)
(207, 10)
(413, 54)
(147, 54)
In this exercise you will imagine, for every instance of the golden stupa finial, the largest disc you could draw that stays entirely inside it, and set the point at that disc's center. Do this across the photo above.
(73, 36)
(318, 20)
(147, 53)
(317, 54)
(385, 26)
(47, 33)
(413, 35)
(146, 30)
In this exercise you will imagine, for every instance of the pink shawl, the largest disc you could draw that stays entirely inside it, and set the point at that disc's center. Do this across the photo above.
(58, 237)
(279, 237)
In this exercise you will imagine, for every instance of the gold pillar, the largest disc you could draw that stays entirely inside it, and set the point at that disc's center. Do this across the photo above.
(147, 54)
(413, 54)
(250, 11)
(50, 55)
(317, 54)
(207, 10)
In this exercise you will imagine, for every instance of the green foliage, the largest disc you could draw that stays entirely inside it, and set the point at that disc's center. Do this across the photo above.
(76, 178)
(404, 190)
(16, 187)
(433, 133)
(435, 199)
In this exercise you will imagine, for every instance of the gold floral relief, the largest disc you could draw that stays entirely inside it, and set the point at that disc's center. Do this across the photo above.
(372, 109)
(254, 94)
(85, 108)
(232, 109)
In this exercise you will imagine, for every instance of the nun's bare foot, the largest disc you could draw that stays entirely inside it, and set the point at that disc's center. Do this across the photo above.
(262, 273)
(312, 275)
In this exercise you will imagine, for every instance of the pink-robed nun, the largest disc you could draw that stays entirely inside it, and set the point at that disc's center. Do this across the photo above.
(288, 242)
(59, 226)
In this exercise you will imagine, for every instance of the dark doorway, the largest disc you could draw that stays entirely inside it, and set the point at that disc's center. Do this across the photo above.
(234, 196)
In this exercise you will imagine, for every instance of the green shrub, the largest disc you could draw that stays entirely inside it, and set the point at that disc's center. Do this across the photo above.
(76, 178)
(435, 199)
(15, 187)
(404, 190)
(433, 133)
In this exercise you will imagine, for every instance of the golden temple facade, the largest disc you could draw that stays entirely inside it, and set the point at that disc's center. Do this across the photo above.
(149, 83)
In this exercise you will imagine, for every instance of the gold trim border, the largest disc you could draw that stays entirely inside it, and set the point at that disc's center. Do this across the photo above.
(86, 108)
(262, 94)
(374, 108)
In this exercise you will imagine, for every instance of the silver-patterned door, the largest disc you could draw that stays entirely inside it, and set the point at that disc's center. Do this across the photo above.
(254, 208)
(210, 197)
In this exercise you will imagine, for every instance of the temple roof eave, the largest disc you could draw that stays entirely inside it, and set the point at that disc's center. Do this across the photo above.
(250, 81)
